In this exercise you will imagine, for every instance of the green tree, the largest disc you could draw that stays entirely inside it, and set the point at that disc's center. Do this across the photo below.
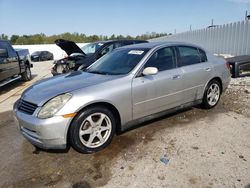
(14, 38)
(3, 36)
(76, 37)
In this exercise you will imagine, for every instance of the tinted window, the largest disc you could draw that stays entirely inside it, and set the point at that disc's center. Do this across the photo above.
(128, 43)
(107, 49)
(8, 47)
(189, 55)
(91, 48)
(36, 53)
(203, 55)
(118, 62)
(162, 59)
(118, 44)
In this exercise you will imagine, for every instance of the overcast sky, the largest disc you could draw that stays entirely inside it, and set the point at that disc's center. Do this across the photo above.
(107, 17)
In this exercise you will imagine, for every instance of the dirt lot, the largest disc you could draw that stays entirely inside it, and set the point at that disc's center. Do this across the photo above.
(192, 148)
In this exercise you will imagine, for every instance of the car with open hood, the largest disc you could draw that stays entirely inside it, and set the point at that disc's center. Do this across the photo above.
(80, 58)
(130, 85)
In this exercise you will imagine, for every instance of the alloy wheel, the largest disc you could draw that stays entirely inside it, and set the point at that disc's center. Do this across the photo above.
(95, 130)
(213, 94)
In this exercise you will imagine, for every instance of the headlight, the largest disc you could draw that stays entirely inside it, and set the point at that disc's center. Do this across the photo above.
(53, 106)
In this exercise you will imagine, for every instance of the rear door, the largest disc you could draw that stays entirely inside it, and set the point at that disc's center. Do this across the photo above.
(155, 93)
(10, 65)
(197, 71)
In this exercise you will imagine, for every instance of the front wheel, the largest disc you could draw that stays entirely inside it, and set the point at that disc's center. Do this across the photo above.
(212, 94)
(92, 130)
(26, 75)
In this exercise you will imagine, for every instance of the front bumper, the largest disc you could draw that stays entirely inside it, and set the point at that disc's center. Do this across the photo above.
(48, 133)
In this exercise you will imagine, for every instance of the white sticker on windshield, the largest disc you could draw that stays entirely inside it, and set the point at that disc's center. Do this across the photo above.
(100, 44)
(136, 52)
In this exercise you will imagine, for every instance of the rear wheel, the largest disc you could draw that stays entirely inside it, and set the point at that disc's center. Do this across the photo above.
(212, 94)
(92, 130)
(26, 75)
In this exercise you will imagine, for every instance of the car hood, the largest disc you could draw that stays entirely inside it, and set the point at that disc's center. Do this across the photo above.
(43, 90)
(68, 46)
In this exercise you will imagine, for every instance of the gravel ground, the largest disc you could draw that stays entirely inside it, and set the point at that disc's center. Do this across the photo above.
(191, 148)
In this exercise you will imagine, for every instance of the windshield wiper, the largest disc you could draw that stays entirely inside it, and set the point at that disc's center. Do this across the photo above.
(103, 73)
(97, 72)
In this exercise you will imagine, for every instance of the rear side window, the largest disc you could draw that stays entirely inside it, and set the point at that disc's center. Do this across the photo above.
(189, 55)
(162, 59)
(203, 55)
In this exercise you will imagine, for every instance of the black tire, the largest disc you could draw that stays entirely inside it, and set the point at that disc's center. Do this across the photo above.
(206, 103)
(78, 122)
(26, 75)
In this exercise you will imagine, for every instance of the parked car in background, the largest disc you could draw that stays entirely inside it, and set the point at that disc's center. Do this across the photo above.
(129, 85)
(240, 66)
(42, 56)
(13, 66)
(80, 58)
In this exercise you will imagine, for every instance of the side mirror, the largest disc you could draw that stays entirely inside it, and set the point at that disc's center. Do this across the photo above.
(150, 71)
(3, 52)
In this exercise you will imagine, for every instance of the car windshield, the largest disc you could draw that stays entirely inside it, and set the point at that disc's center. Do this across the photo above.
(91, 48)
(36, 53)
(118, 62)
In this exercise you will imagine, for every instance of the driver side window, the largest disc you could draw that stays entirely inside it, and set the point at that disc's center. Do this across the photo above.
(163, 59)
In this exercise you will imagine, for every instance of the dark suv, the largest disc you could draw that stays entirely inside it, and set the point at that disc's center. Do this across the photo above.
(81, 58)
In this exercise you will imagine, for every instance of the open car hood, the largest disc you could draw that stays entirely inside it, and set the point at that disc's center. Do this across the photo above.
(69, 47)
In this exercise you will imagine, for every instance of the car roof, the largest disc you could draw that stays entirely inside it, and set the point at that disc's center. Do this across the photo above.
(122, 40)
(151, 45)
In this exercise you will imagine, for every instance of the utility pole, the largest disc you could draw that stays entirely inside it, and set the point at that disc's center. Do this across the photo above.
(212, 22)
(247, 17)
(190, 27)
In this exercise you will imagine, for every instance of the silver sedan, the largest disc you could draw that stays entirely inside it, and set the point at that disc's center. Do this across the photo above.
(130, 85)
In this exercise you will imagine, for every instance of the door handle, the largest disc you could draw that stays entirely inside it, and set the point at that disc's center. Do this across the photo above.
(176, 77)
(208, 69)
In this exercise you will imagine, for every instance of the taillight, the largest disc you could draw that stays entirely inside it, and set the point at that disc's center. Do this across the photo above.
(228, 66)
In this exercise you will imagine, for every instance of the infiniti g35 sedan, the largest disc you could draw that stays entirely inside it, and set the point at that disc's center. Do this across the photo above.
(132, 84)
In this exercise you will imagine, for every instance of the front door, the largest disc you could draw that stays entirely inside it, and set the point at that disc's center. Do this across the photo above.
(156, 93)
(10, 64)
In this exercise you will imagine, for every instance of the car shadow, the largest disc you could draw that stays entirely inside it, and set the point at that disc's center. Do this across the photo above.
(147, 122)
(55, 151)
(17, 83)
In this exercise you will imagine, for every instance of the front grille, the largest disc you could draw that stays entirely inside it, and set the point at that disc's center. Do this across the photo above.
(27, 107)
